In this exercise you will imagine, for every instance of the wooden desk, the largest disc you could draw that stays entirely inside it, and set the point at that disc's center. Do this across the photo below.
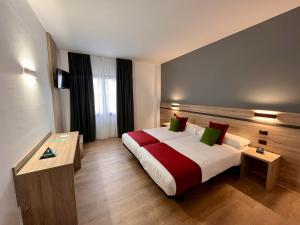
(45, 188)
(271, 160)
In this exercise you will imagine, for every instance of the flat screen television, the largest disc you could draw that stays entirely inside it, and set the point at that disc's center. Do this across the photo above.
(61, 79)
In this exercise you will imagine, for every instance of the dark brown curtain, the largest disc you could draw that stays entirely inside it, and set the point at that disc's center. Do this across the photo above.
(124, 96)
(82, 96)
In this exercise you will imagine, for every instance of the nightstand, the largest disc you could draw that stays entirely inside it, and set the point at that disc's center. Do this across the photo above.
(264, 165)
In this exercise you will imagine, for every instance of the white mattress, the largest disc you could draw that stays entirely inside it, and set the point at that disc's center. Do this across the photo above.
(162, 134)
(212, 160)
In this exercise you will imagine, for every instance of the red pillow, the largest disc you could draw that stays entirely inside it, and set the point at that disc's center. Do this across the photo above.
(222, 127)
(182, 122)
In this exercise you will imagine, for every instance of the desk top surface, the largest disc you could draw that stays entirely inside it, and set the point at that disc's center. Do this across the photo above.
(64, 145)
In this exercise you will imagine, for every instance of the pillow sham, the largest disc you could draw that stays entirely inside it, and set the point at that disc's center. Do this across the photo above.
(210, 136)
(236, 141)
(222, 127)
(174, 125)
(193, 128)
(182, 122)
(200, 132)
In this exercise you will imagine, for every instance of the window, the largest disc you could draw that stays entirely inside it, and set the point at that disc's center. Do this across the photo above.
(112, 93)
(105, 95)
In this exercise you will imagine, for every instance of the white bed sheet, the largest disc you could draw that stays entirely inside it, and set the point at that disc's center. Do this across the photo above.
(161, 133)
(212, 160)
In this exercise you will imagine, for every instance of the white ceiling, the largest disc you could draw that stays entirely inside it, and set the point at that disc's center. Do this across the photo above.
(150, 30)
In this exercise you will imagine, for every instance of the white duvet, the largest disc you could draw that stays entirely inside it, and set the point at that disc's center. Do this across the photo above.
(163, 134)
(212, 160)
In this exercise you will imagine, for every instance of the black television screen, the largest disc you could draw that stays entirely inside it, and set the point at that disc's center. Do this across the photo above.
(62, 79)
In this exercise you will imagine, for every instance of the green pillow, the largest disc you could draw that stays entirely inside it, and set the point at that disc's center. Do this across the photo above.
(174, 124)
(210, 136)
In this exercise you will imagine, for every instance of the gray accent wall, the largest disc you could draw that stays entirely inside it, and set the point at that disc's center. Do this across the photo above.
(257, 68)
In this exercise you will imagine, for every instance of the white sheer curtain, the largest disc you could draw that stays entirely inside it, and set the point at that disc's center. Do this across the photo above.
(104, 79)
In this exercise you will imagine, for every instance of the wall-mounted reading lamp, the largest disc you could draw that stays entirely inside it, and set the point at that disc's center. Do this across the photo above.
(27, 71)
(266, 115)
(175, 106)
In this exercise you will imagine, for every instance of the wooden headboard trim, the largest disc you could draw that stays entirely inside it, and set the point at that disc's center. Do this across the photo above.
(236, 118)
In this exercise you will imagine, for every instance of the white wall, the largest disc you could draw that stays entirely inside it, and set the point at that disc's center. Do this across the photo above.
(158, 93)
(25, 103)
(146, 90)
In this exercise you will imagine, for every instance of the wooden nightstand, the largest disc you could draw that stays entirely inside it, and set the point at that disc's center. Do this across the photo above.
(264, 165)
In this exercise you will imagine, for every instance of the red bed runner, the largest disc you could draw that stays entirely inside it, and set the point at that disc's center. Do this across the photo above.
(187, 174)
(143, 138)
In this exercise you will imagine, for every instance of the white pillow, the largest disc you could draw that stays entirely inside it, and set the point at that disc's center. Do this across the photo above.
(236, 141)
(167, 124)
(200, 132)
(192, 128)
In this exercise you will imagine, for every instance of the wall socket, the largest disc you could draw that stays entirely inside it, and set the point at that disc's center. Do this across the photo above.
(262, 142)
(263, 132)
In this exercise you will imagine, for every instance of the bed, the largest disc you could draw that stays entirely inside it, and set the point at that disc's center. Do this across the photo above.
(162, 134)
(212, 160)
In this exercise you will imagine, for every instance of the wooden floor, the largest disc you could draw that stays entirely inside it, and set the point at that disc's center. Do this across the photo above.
(111, 188)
